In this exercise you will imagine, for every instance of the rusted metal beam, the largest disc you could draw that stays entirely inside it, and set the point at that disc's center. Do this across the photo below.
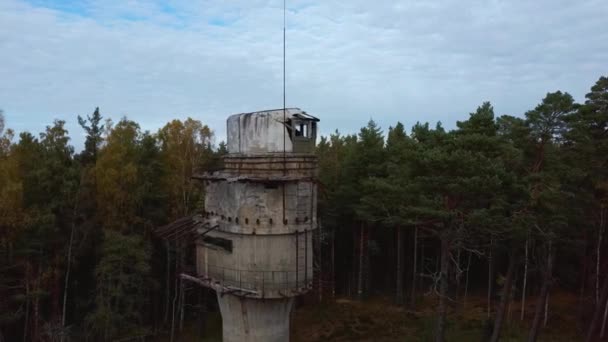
(209, 282)
(252, 179)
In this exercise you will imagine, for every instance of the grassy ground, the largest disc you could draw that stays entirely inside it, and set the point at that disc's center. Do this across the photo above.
(379, 320)
(193, 332)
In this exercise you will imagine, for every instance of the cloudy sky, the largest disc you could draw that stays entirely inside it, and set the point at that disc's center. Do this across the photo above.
(347, 60)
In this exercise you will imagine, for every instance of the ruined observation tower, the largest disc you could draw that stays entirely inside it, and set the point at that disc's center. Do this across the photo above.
(254, 242)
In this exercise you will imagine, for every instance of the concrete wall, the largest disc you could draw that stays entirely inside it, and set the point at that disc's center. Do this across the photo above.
(264, 132)
(259, 207)
(267, 255)
(259, 132)
(275, 266)
(249, 320)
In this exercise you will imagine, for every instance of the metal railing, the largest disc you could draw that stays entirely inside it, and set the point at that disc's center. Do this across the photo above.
(257, 280)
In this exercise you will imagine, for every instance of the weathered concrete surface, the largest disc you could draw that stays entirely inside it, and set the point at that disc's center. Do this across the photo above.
(254, 320)
(261, 132)
(266, 264)
(256, 208)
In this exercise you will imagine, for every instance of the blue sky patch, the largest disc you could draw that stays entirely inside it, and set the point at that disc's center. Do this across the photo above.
(78, 7)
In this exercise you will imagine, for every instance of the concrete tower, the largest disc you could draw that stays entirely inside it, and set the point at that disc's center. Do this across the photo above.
(255, 247)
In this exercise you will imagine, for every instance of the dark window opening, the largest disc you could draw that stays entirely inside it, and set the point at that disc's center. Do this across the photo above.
(224, 244)
(301, 129)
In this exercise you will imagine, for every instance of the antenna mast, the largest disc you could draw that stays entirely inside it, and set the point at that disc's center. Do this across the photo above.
(284, 106)
(284, 116)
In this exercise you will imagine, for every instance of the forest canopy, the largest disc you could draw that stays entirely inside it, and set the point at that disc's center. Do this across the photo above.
(506, 206)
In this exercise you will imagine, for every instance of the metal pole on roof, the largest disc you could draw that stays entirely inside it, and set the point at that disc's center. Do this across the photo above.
(284, 105)
(284, 113)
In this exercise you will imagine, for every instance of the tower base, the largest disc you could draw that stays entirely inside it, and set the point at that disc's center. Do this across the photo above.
(254, 320)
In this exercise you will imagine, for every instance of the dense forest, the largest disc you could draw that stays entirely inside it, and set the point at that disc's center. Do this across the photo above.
(510, 208)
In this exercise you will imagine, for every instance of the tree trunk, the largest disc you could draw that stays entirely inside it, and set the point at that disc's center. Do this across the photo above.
(414, 270)
(597, 313)
(422, 261)
(182, 294)
(509, 312)
(603, 330)
(200, 291)
(333, 265)
(69, 261)
(544, 292)
(360, 278)
(36, 314)
(523, 288)
(367, 263)
(546, 310)
(353, 278)
(55, 291)
(466, 282)
(548, 294)
(457, 274)
(399, 282)
(599, 258)
(68, 268)
(506, 297)
(490, 277)
(168, 284)
(27, 302)
(36, 330)
(318, 261)
(581, 295)
(443, 291)
(182, 303)
(175, 293)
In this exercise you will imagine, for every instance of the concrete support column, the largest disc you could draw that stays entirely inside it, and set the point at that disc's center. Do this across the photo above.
(254, 320)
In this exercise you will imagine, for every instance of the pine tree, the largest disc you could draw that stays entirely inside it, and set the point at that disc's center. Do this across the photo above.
(94, 130)
(547, 201)
(586, 147)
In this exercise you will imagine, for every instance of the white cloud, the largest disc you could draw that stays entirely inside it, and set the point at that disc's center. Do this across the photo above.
(347, 61)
